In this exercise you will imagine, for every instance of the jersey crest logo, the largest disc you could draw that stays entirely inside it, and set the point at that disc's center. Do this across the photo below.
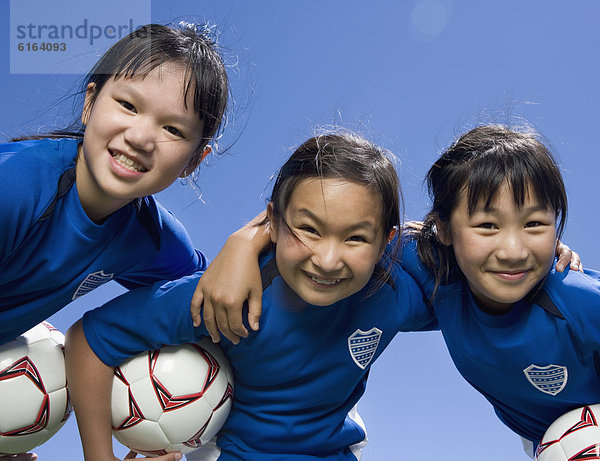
(91, 282)
(362, 346)
(550, 379)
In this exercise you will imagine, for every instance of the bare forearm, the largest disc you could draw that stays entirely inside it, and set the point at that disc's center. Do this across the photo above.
(255, 234)
(90, 384)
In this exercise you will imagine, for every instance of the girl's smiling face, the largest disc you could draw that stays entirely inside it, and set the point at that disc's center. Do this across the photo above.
(338, 239)
(140, 136)
(502, 250)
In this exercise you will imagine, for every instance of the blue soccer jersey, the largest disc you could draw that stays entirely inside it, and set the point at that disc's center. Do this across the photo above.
(533, 363)
(51, 252)
(297, 380)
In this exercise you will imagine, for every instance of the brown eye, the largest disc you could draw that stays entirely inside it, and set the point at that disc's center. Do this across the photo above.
(357, 238)
(533, 224)
(174, 131)
(128, 106)
(310, 230)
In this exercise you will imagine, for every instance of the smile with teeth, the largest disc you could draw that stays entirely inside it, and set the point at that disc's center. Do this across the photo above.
(126, 162)
(327, 282)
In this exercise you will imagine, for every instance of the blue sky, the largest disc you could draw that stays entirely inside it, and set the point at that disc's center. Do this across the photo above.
(409, 75)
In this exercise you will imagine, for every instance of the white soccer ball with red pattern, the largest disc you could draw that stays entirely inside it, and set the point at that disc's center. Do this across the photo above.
(34, 402)
(575, 436)
(172, 399)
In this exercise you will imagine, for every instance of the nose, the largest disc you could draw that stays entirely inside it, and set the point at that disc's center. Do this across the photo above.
(512, 247)
(328, 256)
(140, 135)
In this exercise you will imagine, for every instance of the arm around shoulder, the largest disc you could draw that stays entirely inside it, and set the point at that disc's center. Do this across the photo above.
(230, 280)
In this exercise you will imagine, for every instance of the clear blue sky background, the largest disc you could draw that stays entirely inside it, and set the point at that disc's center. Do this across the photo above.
(410, 75)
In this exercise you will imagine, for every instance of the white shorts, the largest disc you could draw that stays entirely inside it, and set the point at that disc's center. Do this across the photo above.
(528, 447)
(208, 452)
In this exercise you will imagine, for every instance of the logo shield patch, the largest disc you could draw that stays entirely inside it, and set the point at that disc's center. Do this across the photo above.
(91, 282)
(550, 379)
(362, 346)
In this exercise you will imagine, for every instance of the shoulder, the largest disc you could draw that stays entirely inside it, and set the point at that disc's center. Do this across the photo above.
(173, 253)
(411, 263)
(29, 176)
(571, 288)
(155, 216)
(408, 251)
(167, 232)
(403, 297)
(402, 286)
(39, 153)
(575, 298)
(44, 159)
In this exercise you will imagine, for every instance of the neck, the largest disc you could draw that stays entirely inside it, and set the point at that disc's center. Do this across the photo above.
(96, 204)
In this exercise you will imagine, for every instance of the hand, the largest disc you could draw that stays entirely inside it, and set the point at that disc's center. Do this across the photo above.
(176, 456)
(19, 457)
(565, 256)
(232, 279)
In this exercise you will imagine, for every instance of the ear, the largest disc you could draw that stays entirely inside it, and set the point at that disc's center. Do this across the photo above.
(391, 235)
(195, 163)
(88, 102)
(207, 150)
(443, 232)
(387, 240)
(272, 223)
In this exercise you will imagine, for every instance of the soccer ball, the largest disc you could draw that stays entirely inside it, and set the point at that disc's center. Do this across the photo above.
(573, 436)
(34, 402)
(172, 399)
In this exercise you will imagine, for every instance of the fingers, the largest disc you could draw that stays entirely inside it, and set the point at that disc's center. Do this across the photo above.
(196, 306)
(576, 264)
(226, 317)
(565, 256)
(20, 457)
(210, 322)
(235, 322)
(169, 457)
(560, 265)
(176, 456)
(254, 309)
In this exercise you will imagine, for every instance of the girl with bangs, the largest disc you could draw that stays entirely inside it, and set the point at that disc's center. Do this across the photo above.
(332, 301)
(77, 206)
(524, 335)
(78, 209)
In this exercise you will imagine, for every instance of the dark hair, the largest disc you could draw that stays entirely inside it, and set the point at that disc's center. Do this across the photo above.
(346, 155)
(148, 47)
(478, 164)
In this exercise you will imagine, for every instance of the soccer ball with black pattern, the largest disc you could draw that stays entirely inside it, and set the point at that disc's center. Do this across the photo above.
(172, 399)
(575, 436)
(34, 401)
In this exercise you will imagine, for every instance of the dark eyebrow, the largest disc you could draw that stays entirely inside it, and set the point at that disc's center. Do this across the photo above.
(359, 225)
(530, 209)
(122, 85)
